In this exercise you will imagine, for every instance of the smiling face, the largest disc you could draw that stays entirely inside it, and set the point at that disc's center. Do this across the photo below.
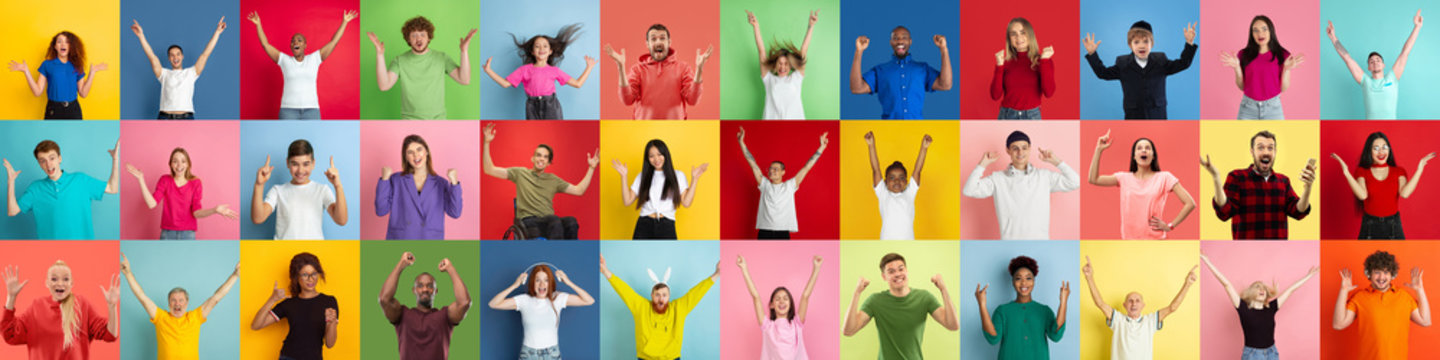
(309, 278)
(297, 45)
(776, 173)
(541, 50)
(1376, 64)
(1019, 154)
(179, 164)
(1380, 151)
(783, 65)
(660, 299)
(177, 57)
(658, 41)
(780, 303)
(178, 303)
(424, 290)
(1134, 304)
(542, 285)
(896, 275)
(50, 163)
(1380, 279)
(1258, 292)
(895, 180)
(300, 168)
(1024, 282)
(540, 159)
(656, 159)
(62, 46)
(419, 41)
(1144, 154)
(1140, 46)
(58, 281)
(1262, 150)
(900, 41)
(1019, 37)
(1260, 32)
(417, 156)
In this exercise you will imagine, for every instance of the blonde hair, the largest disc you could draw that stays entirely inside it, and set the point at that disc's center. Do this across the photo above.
(1254, 289)
(69, 314)
(1032, 51)
(1139, 33)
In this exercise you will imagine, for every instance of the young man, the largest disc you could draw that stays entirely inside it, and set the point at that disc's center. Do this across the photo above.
(61, 201)
(895, 192)
(177, 332)
(1258, 198)
(1132, 334)
(298, 204)
(421, 70)
(177, 84)
(1021, 192)
(775, 219)
(901, 82)
(424, 330)
(659, 322)
(660, 86)
(1381, 89)
(899, 312)
(534, 189)
(1383, 309)
(1142, 73)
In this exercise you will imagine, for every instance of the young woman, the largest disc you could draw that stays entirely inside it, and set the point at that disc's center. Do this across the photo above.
(1015, 323)
(656, 190)
(1380, 187)
(300, 99)
(1262, 71)
(538, 76)
(62, 76)
(1143, 190)
(312, 315)
(1257, 306)
(540, 309)
(1381, 89)
(418, 199)
(180, 192)
(782, 332)
(1023, 73)
(62, 325)
(177, 84)
(783, 72)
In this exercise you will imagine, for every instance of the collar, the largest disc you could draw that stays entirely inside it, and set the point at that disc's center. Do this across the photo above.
(669, 58)
(901, 59)
(1010, 170)
(1391, 290)
(63, 178)
(1256, 173)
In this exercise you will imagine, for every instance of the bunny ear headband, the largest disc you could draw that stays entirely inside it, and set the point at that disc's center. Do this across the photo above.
(657, 280)
(553, 268)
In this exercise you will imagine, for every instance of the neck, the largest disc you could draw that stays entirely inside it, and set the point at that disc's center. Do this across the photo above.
(1257, 304)
(299, 181)
(1020, 166)
(299, 57)
(900, 291)
(1134, 315)
(177, 313)
(1023, 298)
(1264, 48)
(1263, 171)
(56, 175)
(1378, 74)
(542, 62)
(1143, 171)
(308, 293)
(420, 52)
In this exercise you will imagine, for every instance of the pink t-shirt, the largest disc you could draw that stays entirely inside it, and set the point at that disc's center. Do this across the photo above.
(1262, 77)
(177, 203)
(782, 340)
(537, 81)
(1140, 200)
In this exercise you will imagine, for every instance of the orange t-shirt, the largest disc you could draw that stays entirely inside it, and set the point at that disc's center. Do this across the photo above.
(1384, 320)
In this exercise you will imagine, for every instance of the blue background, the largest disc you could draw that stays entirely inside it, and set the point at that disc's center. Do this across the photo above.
(875, 19)
(329, 138)
(203, 269)
(83, 149)
(503, 261)
(691, 262)
(1380, 26)
(500, 18)
(190, 25)
(987, 262)
(1110, 20)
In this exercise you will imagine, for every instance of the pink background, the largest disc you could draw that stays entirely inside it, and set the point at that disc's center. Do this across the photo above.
(262, 84)
(452, 145)
(1225, 27)
(1178, 148)
(1297, 329)
(774, 264)
(213, 158)
(977, 216)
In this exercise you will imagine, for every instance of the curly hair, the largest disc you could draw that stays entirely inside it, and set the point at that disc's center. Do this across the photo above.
(77, 50)
(418, 23)
(1024, 262)
(1381, 260)
(558, 43)
(298, 262)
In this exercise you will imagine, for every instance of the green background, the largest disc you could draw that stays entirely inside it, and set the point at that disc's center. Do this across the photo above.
(452, 19)
(378, 258)
(924, 259)
(742, 95)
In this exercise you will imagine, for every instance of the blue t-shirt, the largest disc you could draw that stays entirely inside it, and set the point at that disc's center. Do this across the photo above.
(1381, 96)
(62, 207)
(62, 81)
(901, 84)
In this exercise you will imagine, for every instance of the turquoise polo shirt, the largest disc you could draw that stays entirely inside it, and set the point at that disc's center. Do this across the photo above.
(62, 207)
(1382, 96)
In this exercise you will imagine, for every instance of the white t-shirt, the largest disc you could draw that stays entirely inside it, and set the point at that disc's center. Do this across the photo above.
(541, 319)
(177, 89)
(1132, 339)
(300, 210)
(300, 77)
(897, 211)
(782, 96)
(666, 207)
(777, 206)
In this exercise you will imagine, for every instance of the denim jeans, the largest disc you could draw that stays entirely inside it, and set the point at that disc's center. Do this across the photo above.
(181, 116)
(299, 114)
(1012, 114)
(1270, 109)
(1381, 228)
(1269, 353)
(543, 108)
(550, 353)
(177, 234)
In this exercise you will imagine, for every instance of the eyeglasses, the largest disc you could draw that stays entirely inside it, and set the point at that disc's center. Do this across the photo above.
(1380, 148)
(311, 276)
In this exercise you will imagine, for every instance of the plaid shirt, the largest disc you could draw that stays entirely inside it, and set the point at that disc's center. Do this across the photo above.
(1258, 205)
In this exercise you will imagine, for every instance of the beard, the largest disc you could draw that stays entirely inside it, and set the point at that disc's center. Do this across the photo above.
(425, 302)
(659, 308)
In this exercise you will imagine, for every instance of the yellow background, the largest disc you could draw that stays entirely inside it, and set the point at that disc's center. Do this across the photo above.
(691, 143)
(937, 206)
(1155, 269)
(28, 27)
(264, 263)
(1228, 143)
(924, 260)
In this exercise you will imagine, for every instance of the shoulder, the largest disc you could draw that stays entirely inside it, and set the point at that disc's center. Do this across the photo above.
(1238, 173)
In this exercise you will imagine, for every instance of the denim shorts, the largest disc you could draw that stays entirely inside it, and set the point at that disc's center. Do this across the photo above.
(550, 353)
(177, 234)
(1269, 353)
(1012, 114)
(1270, 109)
(299, 114)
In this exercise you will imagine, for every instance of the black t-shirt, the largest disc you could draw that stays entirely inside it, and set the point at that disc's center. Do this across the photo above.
(1258, 324)
(307, 325)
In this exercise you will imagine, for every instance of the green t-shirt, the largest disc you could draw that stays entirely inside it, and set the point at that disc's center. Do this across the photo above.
(533, 191)
(1021, 329)
(422, 83)
(900, 321)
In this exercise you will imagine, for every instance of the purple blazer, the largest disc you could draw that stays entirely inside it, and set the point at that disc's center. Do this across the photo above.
(417, 215)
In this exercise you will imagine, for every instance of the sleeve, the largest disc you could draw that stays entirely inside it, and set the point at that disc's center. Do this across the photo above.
(393, 65)
(635, 184)
(93, 187)
(977, 185)
(1186, 57)
(1232, 193)
(689, 90)
(96, 325)
(1047, 77)
(998, 318)
(1350, 303)
(1066, 181)
(384, 197)
(521, 301)
(997, 92)
(880, 190)
(867, 308)
(682, 181)
(1170, 182)
(630, 94)
(510, 173)
(14, 328)
(912, 189)
(931, 303)
(1292, 203)
(450, 64)
(561, 77)
(272, 197)
(281, 310)
(197, 196)
(632, 300)
(454, 201)
(695, 294)
(870, 76)
(1055, 333)
(930, 75)
(1102, 72)
(558, 185)
(518, 77)
(331, 303)
(159, 192)
(327, 197)
(560, 299)
(1155, 317)
(1110, 322)
(1410, 303)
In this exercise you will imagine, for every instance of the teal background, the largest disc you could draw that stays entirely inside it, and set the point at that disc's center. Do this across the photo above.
(203, 268)
(1380, 26)
(83, 147)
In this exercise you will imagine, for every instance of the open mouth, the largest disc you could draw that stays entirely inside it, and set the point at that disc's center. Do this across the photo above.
(60, 293)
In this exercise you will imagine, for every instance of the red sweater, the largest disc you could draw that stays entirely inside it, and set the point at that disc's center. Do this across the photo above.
(1021, 86)
(660, 90)
(39, 330)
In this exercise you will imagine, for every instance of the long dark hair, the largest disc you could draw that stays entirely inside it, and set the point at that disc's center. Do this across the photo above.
(671, 188)
(1367, 154)
(77, 50)
(405, 161)
(1252, 48)
(1154, 155)
(566, 36)
(789, 315)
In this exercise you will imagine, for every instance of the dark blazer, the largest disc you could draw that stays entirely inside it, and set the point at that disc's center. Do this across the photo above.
(1143, 87)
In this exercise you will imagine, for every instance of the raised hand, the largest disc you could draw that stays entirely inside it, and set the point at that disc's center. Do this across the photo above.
(465, 41)
(1308, 175)
(1345, 284)
(740, 261)
(379, 45)
(219, 27)
(225, 211)
(407, 259)
(350, 15)
(589, 61)
(99, 67)
(939, 41)
(136, 172)
(817, 260)
(254, 17)
(1064, 291)
(561, 277)
(1209, 166)
(862, 43)
(277, 294)
(444, 265)
(115, 151)
(1047, 52)
(124, 264)
(385, 172)
(824, 139)
(1190, 33)
(702, 57)
(696, 171)
(814, 16)
(987, 158)
(870, 138)
(331, 316)
(332, 173)
(750, 18)
(11, 173)
(861, 286)
(938, 281)
(618, 57)
(925, 141)
(1330, 30)
(620, 168)
(740, 135)
(1087, 270)
(453, 176)
(1103, 142)
(1416, 279)
(1419, 20)
(263, 175)
(520, 280)
(1230, 61)
(1426, 159)
(1090, 43)
(1194, 275)
(112, 294)
(135, 28)
(593, 158)
(489, 132)
(1001, 55)
(487, 63)
(980, 293)
(1294, 61)
(12, 281)
(1048, 156)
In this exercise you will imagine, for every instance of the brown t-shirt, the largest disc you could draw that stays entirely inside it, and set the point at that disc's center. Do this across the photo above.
(424, 335)
(533, 191)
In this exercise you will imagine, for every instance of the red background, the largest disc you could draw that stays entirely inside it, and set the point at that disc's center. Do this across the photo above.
(91, 265)
(1178, 140)
(982, 33)
(1409, 139)
(514, 142)
(693, 25)
(1336, 255)
(817, 204)
(339, 82)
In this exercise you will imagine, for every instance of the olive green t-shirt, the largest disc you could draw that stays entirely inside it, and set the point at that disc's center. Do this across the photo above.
(533, 191)
(900, 322)
(422, 83)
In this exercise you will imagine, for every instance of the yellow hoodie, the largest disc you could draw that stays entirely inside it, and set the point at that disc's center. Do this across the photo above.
(659, 336)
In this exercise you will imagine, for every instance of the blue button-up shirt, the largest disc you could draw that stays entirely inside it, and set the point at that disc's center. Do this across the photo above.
(901, 84)
(62, 207)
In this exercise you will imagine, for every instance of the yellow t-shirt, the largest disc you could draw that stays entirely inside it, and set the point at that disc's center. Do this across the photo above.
(177, 338)
(659, 336)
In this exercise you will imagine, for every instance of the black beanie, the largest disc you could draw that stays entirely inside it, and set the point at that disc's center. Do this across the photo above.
(1016, 135)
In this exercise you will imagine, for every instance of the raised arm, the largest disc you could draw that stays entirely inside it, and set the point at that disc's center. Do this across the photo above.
(946, 314)
(1179, 297)
(809, 30)
(205, 55)
(1232, 62)
(1404, 57)
(12, 207)
(920, 159)
(461, 74)
(593, 160)
(499, 80)
(1343, 316)
(338, 211)
(259, 209)
(986, 324)
(84, 85)
(695, 172)
(1225, 283)
(581, 298)
(1407, 186)
(1284, 295)
(1421, 315)
(824, 141)
(1093, 58)
(1355, 70)
(1220, 199)
(112, 306)
(220, 292)
(392, 308)
(112, 185)
(135, 287)
(1356, 186)
(150, 53)
(626, 195)
(263, 317)
(384, 78)
(339, 33)
(947, 77)
(270, 51)
(857, 79)
(750, 286)
(489, 162)
(456, 310)
(1096, 179)
(1095, 291)
(804, 306)
(854, 318)
(501, 300)
(144, 189)
(876, 174)
(1289, 66)
(749, 158)
(35, 82)
(759, 42)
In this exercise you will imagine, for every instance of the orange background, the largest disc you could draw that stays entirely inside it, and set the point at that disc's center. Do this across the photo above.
(91, 265)
(1336, 255)
(693, 25)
